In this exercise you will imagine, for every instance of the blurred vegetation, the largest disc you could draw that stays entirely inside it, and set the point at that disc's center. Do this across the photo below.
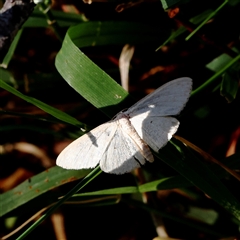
(76, 43)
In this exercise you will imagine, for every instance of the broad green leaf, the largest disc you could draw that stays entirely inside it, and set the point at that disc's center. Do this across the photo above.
(86, 77)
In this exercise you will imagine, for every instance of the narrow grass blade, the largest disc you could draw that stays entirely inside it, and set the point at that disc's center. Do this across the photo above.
(93, 174)
(54, 177)
(46, 108)
(207, 19)
(36, 186)
(215, 76)
(196, 172)
(11, 50)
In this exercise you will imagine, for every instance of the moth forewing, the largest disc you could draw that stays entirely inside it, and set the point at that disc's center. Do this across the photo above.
(86, 151)
(167, 100)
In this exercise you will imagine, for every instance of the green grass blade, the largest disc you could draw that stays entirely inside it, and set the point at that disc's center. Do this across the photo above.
(200, 17)
(196, 172)
(54, 177)
(36, 186)
(207, 19)
(45, 107)
(86, 77)
(195, 20)
(94, 33)
(215, 76)
(93, 174)
(11, 50)
(175, 34)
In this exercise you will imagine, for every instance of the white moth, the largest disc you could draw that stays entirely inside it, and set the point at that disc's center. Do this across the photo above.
(121, 144)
